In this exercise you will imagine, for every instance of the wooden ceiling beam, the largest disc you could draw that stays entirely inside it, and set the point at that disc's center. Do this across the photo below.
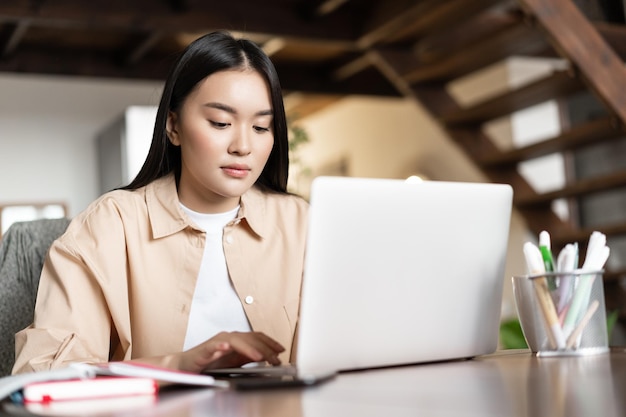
(143, 45)
(275, 20)
(312, 9)
(178, 5)
(84, 64)
(351, 68)
(393, 22)
(308, 79)
(329, 6)
(16, 32)
(439, 16)
(386, 19)
(294, 77)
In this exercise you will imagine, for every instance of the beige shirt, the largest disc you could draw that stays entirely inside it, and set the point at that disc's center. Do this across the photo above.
(118, 284)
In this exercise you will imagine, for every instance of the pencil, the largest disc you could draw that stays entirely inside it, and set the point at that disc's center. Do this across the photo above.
(548, 309)
(571, 340)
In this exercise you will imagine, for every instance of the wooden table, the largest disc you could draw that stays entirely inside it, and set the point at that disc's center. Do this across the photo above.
(508, 383)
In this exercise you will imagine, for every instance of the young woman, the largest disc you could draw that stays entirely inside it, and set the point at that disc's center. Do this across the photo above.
(198, 262)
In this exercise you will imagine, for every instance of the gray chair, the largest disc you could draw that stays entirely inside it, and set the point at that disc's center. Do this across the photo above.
(22, 252)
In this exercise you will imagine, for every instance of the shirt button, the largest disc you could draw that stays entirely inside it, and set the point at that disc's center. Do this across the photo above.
(249, 299)
(229, 239)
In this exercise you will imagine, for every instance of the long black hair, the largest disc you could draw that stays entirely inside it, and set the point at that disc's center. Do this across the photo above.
(217, 51)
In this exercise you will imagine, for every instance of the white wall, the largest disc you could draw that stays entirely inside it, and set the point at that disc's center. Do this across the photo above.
(389, 138)
(48, 127)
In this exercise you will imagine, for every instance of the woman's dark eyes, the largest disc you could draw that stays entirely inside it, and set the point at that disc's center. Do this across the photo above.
(220, 125)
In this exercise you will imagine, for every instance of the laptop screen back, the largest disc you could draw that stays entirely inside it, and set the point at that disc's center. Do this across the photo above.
(400, 273)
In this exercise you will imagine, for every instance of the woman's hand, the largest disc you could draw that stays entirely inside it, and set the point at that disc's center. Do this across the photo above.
(227, 350)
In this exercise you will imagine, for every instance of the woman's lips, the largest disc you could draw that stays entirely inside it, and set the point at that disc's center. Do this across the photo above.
(236, 171)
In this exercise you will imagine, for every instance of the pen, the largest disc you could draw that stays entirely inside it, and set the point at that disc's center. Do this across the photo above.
(566, 262)
(536, 267)
(546, 253)
(546, 256)
(597, 254)
(571, 340)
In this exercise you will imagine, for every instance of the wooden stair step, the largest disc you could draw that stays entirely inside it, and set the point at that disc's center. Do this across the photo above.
(517, 39)
(580, 188)
(561, 238)
(614, 35)
(614, 274)
(559, 84)
(439, 45)
(592, 132)
(430, 16)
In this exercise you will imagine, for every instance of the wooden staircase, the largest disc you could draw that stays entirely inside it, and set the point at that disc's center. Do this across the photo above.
(459, 37)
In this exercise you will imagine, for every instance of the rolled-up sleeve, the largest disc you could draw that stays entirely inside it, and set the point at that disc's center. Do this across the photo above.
(116, 285)
(72, 322)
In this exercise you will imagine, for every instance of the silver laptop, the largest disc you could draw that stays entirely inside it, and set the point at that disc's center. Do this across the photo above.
(399, 273)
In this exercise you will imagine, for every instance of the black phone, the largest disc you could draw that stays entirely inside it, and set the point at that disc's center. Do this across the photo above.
(256, 381)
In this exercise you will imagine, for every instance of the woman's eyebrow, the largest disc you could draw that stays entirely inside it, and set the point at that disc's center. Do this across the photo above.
(231, 110)
(265, 113)
(221, 106)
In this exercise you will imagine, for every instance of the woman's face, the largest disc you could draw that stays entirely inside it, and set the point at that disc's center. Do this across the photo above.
(225, 133)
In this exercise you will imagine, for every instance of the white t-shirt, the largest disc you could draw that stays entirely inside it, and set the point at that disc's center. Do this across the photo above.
(215, 306)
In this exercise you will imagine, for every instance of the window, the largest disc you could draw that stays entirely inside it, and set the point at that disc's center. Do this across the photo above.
(19, 212)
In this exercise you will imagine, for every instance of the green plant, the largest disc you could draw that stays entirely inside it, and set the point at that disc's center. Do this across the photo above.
(298, 136)
(611, 320)
(512, 336)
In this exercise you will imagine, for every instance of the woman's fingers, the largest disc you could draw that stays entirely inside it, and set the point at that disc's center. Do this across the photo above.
(224, 350)
(255, 346)
(231, 350)
(274, 345)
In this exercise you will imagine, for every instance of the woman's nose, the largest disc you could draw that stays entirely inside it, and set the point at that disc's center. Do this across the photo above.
(240, 144)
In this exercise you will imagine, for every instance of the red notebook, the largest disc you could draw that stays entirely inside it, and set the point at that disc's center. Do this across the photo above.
(88, 389)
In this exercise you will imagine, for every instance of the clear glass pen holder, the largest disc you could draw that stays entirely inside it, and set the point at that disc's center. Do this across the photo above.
(562, 313)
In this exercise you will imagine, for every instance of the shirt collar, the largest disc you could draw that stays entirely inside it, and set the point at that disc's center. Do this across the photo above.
(167, 217)
(253, 209)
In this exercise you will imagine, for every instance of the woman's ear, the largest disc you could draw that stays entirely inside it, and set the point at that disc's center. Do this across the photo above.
(171, 128)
